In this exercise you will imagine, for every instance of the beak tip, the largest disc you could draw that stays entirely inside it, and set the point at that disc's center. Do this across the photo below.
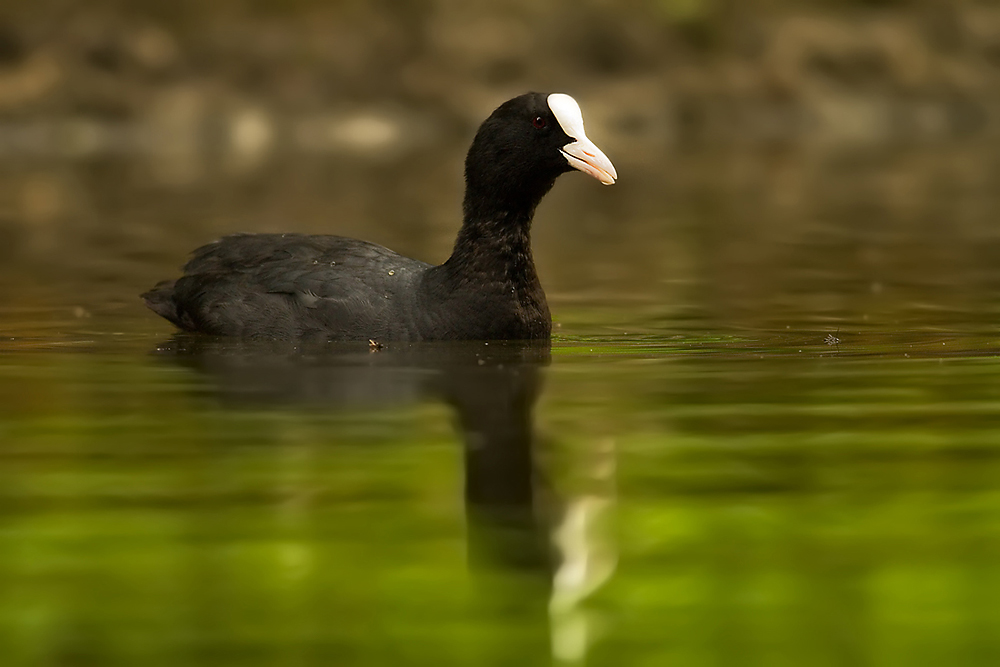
(588, 158)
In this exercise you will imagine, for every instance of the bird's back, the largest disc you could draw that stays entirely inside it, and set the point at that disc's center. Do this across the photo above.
(292, 285)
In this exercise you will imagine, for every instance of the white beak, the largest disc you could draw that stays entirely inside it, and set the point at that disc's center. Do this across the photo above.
(581, 154)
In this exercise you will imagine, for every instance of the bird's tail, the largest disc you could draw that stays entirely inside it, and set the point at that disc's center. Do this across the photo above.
(160, 300)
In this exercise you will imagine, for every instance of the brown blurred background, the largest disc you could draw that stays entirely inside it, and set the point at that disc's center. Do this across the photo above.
(669, 71)
(767, 147)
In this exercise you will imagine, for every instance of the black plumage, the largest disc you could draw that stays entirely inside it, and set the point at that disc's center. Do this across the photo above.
(293, 285)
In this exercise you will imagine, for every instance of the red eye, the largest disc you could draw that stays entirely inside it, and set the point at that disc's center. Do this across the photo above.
(539, 122)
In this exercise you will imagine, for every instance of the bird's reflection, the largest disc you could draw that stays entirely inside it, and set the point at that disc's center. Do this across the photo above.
(516, 523)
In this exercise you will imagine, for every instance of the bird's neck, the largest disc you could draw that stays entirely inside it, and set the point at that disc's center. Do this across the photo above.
(495, 242)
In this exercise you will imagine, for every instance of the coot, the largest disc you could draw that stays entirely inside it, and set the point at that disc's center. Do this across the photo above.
(292, 285)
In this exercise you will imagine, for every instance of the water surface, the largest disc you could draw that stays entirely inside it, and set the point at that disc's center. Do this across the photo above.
(767, 430)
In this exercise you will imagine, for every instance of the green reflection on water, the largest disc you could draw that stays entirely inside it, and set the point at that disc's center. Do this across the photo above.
(762, 505)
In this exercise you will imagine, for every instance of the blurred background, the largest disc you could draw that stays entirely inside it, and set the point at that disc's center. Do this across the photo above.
(132, 132)
(767, 429)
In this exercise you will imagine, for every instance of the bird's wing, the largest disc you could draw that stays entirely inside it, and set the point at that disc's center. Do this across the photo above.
(286, 280)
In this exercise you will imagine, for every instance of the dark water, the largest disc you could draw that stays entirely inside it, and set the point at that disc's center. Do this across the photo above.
(767, 430)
